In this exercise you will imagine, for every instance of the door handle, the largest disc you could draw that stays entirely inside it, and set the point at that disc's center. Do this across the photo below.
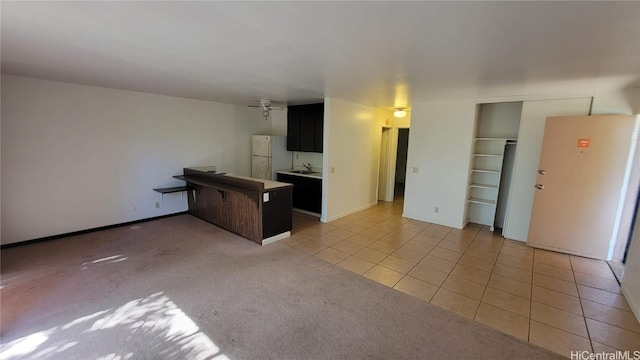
(539, 186)
(542, 172)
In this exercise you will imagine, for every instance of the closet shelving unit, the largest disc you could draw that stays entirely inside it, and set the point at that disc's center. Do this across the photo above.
(485, 177)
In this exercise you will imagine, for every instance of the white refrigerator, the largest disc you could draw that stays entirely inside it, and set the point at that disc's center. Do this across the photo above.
(268, 155)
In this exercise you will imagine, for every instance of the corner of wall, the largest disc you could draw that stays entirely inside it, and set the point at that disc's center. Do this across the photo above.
(441, 156)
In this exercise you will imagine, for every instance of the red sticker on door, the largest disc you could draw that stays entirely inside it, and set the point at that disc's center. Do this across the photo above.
(584, 143)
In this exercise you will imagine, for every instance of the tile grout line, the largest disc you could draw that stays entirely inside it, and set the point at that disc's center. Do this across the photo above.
(486, 286)
(584, 316)
(491, 273)
(531, 298)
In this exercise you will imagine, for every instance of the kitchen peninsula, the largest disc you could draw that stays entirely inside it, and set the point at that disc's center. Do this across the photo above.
(257, 209)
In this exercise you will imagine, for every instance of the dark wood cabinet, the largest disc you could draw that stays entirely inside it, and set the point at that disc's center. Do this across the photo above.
(305, 127)
(201, 200)
(318, 123)
(220, 212)
(240, 204)
(276, 214)
(293, 128)
(242, 216)
(307, 192)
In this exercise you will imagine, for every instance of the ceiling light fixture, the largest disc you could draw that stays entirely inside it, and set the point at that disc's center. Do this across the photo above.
(400, 113)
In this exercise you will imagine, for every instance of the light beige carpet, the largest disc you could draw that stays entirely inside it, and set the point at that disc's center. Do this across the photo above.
(181, 288)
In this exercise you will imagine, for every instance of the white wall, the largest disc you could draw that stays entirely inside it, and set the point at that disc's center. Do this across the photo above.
(278, 120)
(500, 120)
(404, 122)
(621, 102)
(77, 157)
(440, 147)
(352, 135)
(313, 158)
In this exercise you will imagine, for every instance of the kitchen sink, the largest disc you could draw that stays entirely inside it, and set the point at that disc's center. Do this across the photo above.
(301, 172)
(305, 172)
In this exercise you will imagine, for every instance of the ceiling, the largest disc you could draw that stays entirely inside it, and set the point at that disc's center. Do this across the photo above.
(381, 54)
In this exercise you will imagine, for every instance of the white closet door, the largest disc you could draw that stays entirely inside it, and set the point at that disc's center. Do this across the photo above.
(530, 134)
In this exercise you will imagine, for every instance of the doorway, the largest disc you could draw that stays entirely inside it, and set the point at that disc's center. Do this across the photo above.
(394, 149)
(383, 168)
(401, 164)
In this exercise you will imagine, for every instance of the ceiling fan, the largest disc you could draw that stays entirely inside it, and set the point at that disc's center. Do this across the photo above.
(267, 107)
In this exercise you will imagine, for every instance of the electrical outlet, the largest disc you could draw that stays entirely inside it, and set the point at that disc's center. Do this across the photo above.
(134, 208)
(157, 205)
(416, 169)
(333, 169)
(436, 209)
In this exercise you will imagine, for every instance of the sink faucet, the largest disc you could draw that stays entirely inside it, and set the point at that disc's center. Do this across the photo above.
(307, 166)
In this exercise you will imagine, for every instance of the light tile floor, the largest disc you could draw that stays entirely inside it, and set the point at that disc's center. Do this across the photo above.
(557, 301)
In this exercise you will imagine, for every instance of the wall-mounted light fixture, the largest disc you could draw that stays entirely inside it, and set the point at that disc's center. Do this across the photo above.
(400, 113)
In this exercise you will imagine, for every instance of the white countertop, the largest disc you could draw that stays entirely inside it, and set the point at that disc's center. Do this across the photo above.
(314, 175)
(268, 184)
(203, 168)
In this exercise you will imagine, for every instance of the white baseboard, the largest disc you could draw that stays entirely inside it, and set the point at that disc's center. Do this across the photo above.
(275, 238)
(633, 304)
(365, 207)
(431, 220)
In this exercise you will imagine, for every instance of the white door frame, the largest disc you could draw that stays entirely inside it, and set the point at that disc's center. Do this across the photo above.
(391, 153)
(383, 167)
(629, 196)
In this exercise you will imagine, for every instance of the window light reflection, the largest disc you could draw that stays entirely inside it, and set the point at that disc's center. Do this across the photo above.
(154, 320)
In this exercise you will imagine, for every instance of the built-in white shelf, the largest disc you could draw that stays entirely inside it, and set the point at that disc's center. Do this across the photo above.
(485, 178)
(484, 186)
(482, 201)
(488, 155)
(486, 171)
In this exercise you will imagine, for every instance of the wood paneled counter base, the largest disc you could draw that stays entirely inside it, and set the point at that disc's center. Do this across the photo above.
(259, 210)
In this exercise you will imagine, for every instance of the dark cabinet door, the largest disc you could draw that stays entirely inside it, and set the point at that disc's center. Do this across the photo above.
(201, 200)
(297, 193)
(314, 195)
(319, 125)
(293, 128)
(305, 127)
(220, 208)
(244, 216)
(276, 213)
(193, 192)
(306, 193)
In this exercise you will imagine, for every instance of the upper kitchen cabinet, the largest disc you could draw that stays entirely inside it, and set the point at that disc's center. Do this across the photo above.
(305, 125)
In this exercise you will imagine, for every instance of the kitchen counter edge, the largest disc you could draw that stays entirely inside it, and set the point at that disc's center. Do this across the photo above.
(288, 172)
